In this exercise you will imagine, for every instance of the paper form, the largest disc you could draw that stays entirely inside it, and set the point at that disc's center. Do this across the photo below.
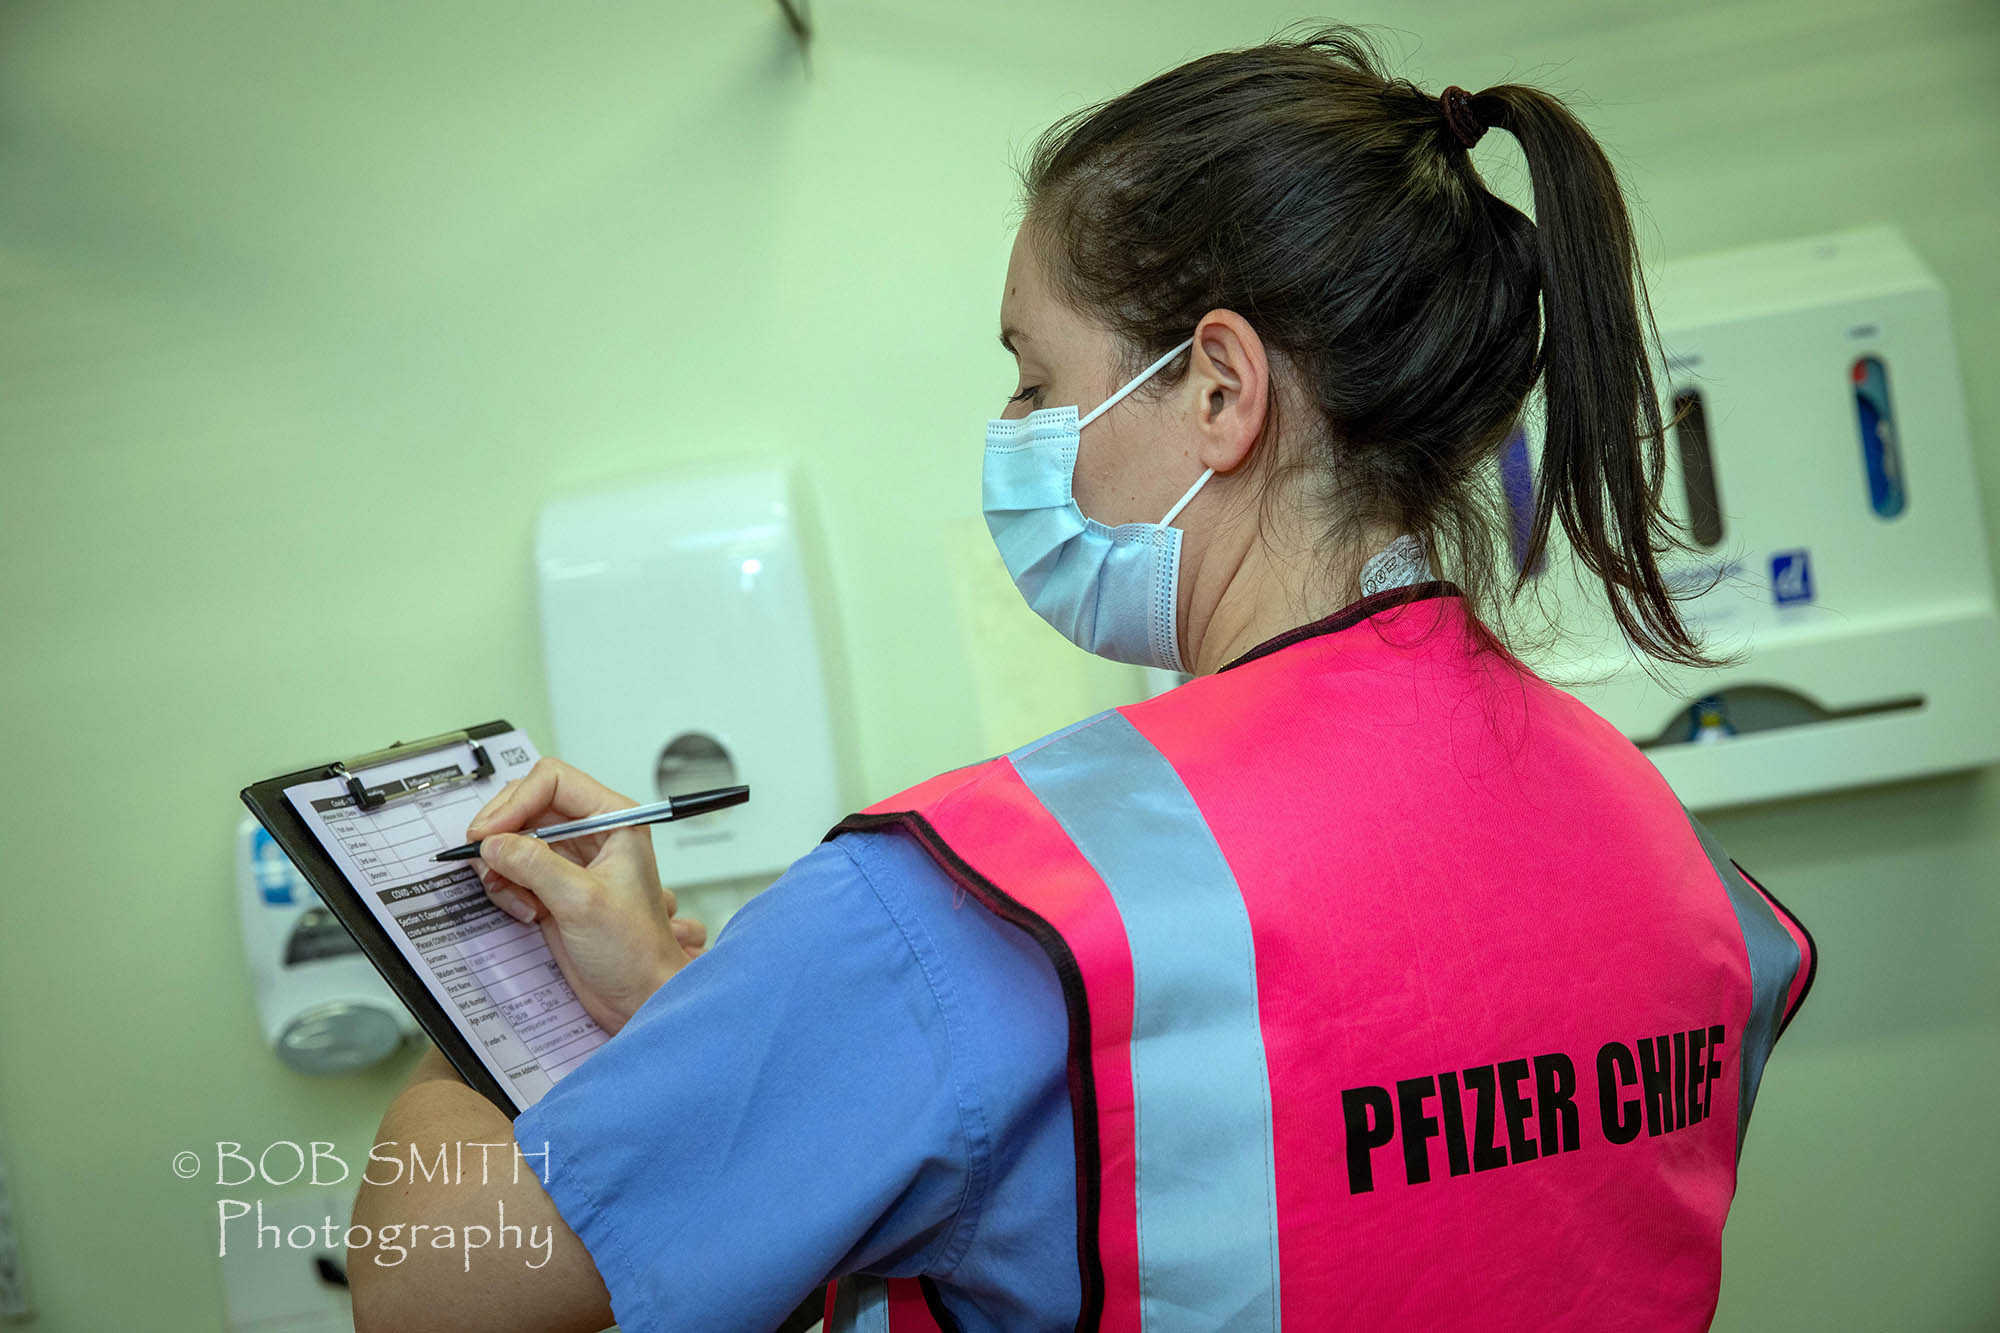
(494, 973)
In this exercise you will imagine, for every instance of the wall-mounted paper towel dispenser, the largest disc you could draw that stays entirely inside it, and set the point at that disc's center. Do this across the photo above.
(680, 637)
(1821, 459)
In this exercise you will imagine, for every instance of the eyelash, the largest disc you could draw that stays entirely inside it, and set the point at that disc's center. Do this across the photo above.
(1026, 394)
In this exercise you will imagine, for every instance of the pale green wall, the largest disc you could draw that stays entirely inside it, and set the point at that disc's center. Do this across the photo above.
(301, 302)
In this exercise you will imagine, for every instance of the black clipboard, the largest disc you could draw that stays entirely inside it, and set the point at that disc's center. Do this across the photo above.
(267, 802)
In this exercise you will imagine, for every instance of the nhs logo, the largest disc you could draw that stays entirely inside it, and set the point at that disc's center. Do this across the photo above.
(1791, 577)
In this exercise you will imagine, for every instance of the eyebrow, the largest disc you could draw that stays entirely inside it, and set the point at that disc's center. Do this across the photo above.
(1008, 335)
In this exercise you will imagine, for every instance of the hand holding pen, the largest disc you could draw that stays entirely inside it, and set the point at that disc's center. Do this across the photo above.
(597, 896)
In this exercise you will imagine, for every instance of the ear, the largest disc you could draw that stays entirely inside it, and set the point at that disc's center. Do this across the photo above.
(1231, 377)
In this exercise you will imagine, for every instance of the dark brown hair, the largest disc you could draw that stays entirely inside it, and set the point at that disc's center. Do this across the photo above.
(1337, 210)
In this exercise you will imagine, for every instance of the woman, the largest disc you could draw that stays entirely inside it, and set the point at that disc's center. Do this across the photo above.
(1366, 980)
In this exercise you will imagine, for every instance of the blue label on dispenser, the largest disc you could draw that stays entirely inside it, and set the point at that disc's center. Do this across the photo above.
(273, 869)
(1791, 577)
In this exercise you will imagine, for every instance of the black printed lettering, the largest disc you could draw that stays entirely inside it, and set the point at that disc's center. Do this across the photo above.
(1521, 1110)
(1364, 1137)
(1454, 1123)
(1697, 1074)
(1418, 1129)
(1520, 1144)
(1656, 1080)
(1555, 1094)
(1616, 1070)
(1680, 1079)
(1486, 1150)
(1714, 1063)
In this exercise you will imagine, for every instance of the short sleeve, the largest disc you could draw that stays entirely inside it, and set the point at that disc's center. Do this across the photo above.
(785, 1109)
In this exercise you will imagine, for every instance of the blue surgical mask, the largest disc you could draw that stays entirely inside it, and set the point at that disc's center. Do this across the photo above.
(1111, 591)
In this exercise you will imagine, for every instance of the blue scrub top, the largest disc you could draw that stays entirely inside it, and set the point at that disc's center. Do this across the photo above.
(865, 1072)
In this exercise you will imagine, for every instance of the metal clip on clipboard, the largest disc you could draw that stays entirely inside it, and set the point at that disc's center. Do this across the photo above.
(345, 769)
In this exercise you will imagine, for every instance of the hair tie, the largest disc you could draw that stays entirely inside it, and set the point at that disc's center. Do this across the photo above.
(1458, 114)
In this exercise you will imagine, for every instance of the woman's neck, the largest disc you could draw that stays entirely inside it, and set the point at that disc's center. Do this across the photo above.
(1248, 584)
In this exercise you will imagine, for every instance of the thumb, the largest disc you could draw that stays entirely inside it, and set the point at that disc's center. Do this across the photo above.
(559, 882)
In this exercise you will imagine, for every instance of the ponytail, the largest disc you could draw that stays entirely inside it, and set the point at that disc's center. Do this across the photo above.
(1603, 452)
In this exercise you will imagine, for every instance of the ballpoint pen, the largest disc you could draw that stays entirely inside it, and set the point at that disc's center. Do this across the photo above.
(674, 807)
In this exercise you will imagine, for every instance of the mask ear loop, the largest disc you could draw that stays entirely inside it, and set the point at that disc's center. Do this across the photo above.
(1139, 379)
(1136, 381)
(1181, 503)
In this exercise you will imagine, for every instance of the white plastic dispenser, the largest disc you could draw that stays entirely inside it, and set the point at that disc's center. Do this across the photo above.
(1823, 460)
(680, 638)
(320, 1003)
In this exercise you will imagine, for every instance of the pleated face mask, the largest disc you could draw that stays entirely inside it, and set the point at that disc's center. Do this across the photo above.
(1111, 591)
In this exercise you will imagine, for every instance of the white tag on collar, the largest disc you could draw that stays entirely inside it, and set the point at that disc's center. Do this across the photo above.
(1399, 564)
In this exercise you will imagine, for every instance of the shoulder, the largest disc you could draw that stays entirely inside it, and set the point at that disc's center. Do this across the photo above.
(983, 992)
(885, 930)
(853, 903)
(969, 955)
(1012, 1260)
(1005, 1021)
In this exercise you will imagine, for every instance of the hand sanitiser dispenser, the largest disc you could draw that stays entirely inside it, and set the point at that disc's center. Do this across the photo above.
(1820, 457)
(321, 1004)
(681, 640)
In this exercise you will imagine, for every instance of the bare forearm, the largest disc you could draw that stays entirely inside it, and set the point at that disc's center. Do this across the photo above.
(445, 1168)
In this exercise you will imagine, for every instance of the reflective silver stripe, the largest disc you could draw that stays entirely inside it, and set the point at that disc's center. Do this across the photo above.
(860, 1305)
(1774, 962)
(1207, 1184)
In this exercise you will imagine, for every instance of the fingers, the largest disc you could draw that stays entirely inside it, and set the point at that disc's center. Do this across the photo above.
(562, 885)
(500, 799)
(691, 934)
(550, 787)
(512, 899)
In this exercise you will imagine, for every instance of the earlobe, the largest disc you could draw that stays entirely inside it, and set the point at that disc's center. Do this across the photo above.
(1235, 376)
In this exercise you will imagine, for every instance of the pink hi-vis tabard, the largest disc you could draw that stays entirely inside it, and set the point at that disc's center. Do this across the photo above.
(1403, 993)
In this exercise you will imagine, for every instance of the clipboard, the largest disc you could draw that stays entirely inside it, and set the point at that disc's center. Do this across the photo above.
(480, 1027)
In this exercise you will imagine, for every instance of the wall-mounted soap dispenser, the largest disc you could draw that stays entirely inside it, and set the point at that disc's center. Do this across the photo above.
(1821, 460)
(320, 1003)
(683, 651)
